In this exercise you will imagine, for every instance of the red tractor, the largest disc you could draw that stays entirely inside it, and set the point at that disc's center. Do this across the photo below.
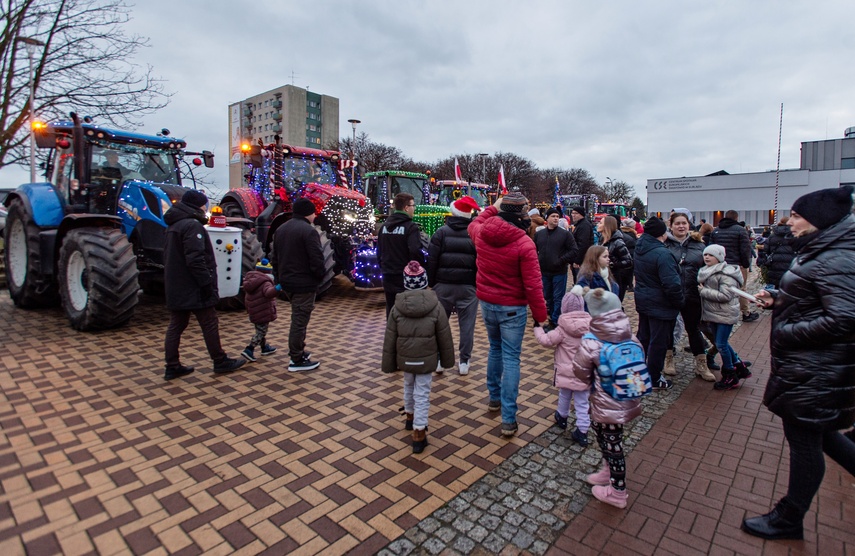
(279, 174)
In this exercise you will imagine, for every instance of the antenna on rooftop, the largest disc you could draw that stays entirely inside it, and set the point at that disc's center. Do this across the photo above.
(293, 76)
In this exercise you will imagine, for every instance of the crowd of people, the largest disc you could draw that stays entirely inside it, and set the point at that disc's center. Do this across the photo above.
(511, 261)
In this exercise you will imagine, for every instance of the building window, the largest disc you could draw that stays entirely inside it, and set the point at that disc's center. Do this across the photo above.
(847, 163)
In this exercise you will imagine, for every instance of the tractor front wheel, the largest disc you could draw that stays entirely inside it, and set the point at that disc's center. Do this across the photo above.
(98, 278)
(27, 286)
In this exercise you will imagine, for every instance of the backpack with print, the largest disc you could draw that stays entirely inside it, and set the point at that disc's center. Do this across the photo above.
(622, 370)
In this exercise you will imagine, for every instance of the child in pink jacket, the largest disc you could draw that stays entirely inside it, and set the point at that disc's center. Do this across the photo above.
(573, 323)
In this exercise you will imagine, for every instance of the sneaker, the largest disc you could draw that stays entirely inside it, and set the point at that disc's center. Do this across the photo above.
(463, 368)
(305, 364)
(494, 405)
(177, 372)
(267, 349)
(249, 354)
(727, 383)
(228, 365)
(750, 317)
(580, 438)
(663, 384)
(509, 429)
(560, 421)
(612, 497)
(439, 369)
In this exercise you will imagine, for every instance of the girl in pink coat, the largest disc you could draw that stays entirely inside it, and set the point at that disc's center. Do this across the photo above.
(573, 323)
(610, 324)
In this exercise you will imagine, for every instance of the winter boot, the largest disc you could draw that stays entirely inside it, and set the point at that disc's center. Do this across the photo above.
(419, 441)
(408, 423)
(783, 522)
(607, 494)
(728, 381)
(741, 368)
(669, 369)
(701, 368)
(601, 477)
(711, 364)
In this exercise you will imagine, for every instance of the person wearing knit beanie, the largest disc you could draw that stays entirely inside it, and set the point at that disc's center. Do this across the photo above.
(600, 301)
(514, 203)
(825, 207)
(304, 207)
(264, 266)
(572, 302)
(716, 251)
(551, 211)
(578, 210)
(195, 198)
(464, 207)
(655, 227)
(415, 277)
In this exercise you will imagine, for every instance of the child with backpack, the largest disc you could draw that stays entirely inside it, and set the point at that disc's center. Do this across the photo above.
(260, 300)
(611, 361)
(573, 323)
(417, 334)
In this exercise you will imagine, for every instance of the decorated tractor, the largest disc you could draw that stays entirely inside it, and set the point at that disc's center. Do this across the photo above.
(94, 231)
(276, 176)
(449, 191)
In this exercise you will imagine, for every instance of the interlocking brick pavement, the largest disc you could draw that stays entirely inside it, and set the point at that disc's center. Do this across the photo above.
(99, 454)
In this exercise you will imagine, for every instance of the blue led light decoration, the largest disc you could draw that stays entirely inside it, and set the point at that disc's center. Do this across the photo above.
(366, 268)
(555, 193)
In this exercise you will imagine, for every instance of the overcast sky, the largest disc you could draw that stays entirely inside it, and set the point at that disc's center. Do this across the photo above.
(625, 89)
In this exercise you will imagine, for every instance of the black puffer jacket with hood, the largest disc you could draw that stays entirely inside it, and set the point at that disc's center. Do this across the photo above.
(189, 266)
(813, 334)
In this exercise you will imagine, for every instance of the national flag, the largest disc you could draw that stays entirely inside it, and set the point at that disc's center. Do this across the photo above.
(503, 187)
(458, 175)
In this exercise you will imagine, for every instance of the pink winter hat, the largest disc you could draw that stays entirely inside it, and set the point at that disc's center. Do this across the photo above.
(572, 302)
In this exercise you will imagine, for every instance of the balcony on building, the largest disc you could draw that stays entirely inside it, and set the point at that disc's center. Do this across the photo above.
(276, 104)
(276, 128)
(247, 110)
(277, 116)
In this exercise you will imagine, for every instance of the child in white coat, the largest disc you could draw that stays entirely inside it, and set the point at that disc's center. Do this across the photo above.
(573, 323)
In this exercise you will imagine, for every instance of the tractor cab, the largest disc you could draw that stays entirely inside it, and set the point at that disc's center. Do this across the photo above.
(384, 185)
(450, 191)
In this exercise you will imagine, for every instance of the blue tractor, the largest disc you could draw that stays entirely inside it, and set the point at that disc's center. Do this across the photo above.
(91, 234)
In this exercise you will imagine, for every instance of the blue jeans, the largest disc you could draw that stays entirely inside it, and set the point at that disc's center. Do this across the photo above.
(505, 328)
(554, 288)
(722, 334)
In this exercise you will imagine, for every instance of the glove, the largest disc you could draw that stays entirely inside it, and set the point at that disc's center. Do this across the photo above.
(279, 287)
(536, 324)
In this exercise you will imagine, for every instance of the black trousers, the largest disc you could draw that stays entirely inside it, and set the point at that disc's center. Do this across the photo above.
(393, 284)
(178, 321)
(655, 335)
(302, 305)
(691, 313)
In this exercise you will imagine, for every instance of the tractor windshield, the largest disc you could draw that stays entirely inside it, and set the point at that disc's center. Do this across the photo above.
(126, 162)
(413, 186)
(298, 171)
(450, 194)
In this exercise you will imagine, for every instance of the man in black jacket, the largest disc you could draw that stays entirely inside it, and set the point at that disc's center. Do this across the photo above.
(298, 269)
(556, 250)
(398, 243)
(451, 273)
(190, 281)
(583, 233)
(737, 247)
(658, 297)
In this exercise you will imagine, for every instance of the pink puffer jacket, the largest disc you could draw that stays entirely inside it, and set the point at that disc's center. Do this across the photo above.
(612, 327)
(566, 339)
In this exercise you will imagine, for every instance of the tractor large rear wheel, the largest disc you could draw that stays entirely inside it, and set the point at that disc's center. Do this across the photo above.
(250, 254)
(98, 278)
(27, 287)
(329, 262)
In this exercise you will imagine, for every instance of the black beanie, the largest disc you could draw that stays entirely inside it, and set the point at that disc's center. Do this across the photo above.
(552, 211)
(304, 207)
(825, 207)
(195, 198)
(655, 227)
(579, 210)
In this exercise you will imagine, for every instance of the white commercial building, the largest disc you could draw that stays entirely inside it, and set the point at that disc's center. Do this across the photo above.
(824, 164)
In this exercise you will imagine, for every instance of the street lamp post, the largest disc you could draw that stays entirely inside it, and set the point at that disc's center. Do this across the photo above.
(353, 122)
(32, 45)
(483, 166)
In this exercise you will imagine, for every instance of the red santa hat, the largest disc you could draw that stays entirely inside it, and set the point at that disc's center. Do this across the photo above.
(464, 206)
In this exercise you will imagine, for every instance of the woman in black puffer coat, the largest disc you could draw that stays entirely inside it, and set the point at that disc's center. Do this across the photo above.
(812, 386)
(620, 259)
(779, 252)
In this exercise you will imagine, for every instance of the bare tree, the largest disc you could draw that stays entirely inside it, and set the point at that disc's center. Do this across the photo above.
(618, 191)
(372, 156)
(82, 62)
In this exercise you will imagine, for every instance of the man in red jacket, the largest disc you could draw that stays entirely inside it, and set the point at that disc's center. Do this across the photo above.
(508, 279)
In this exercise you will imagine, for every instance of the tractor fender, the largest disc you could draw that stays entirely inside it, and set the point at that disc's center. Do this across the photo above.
(75, 221)
(247, 199)
(42, 202)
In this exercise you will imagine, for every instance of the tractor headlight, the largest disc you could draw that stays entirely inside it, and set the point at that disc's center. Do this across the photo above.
(349, 216)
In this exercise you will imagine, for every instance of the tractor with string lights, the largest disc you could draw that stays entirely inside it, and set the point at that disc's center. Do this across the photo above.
(90, 234)
(277, 175)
